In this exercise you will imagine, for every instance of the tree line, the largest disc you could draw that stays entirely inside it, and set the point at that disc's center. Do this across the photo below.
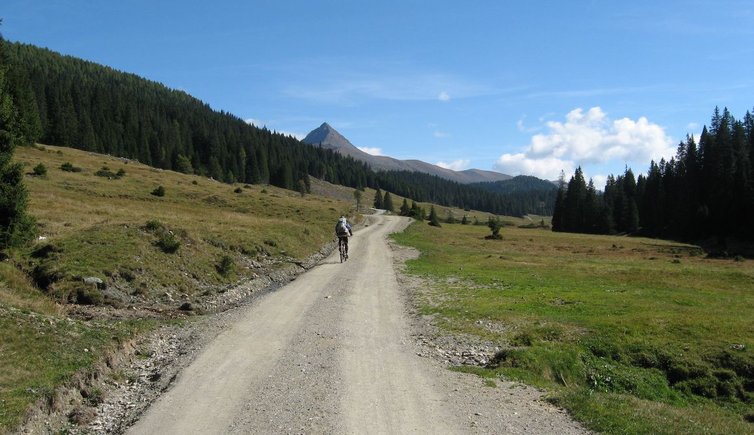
(705, 190)
(70, 102)
(431, 188)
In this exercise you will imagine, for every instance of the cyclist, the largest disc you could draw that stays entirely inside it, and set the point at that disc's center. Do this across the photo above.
(343, 230)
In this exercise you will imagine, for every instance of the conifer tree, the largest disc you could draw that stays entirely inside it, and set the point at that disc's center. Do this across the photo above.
(387, 202)
(433, 217)
(16, 226)
(378, 201)
(357, 196)
(405, 210)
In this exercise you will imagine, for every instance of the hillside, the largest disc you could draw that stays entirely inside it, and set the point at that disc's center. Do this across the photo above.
(75, 103)
(71, 102)
(114, 260)
(329, 138)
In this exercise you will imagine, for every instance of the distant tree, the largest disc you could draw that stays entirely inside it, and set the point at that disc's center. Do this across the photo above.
(387, 202)
(405, 210)
(417, 212)
(302, 188)
(183, 164)
(465, 220)
(357, 196)
(494, 225)
(378, 201)
(433, 217)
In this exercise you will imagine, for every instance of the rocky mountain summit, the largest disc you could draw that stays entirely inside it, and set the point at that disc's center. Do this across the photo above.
(326, 136)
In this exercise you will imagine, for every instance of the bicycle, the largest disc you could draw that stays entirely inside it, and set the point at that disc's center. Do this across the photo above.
(343, 248)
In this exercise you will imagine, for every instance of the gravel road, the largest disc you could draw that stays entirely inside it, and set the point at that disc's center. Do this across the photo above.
(332, 352)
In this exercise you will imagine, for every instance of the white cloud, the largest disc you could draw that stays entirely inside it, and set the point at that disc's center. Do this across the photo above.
(443, 96)
(599, 181)
(255, 122)
(585, 138)
(371, 150)
(543, 167)
(440, 134)
(455, 165)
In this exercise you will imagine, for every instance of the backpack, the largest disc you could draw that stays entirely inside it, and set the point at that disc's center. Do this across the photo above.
(341, 229)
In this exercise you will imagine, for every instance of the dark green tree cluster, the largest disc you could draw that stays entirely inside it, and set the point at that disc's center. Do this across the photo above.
(580, 208)
(478, 196)
(16, 226)
(83, 105)
(414, 211)
(706, 190)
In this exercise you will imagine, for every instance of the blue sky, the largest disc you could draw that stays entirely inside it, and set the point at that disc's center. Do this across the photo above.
(526, 87)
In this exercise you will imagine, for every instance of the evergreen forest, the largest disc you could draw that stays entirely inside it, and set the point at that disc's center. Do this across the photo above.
(705, 191)
(75, 103)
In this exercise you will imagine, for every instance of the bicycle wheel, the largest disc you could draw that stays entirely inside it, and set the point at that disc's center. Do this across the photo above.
(342, 248)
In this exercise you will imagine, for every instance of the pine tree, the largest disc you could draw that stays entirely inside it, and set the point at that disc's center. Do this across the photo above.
(387, 202)
(378, 201)
(16, 227)
(405, 210)
(357, 196)
(433, 217)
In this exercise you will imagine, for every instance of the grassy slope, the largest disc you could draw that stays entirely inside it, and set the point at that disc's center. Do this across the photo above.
(96, 226)
(632, 335)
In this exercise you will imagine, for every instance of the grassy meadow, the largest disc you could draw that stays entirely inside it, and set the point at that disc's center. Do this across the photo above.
(631, 335)
(98, 217)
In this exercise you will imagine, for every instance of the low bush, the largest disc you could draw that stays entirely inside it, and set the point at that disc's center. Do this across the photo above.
(159, 191)
(168, 243)
(68, 167)
(40, 170)
(226, 266)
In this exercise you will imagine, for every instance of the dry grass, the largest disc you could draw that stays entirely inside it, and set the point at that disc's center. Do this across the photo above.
(112, 229)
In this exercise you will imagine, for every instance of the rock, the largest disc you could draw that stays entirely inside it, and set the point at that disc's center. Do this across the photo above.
(186, 306)
(94, 281)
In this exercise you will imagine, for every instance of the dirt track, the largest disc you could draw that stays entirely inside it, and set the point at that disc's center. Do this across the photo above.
(332, 353)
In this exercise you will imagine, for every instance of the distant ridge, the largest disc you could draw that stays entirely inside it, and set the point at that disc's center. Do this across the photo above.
(329, 138)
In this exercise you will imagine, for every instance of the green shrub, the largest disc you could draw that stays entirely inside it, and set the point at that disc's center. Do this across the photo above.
(107, 173)
(168, 243)
(225, 266)
(40, 170)
(159, 191)
(68, 167)
(154, 226)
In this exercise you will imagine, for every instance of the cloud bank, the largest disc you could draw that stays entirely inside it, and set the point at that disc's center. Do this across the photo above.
(588, 138)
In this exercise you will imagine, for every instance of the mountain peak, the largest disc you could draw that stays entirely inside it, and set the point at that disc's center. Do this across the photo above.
(326, 136)
(329, 138)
